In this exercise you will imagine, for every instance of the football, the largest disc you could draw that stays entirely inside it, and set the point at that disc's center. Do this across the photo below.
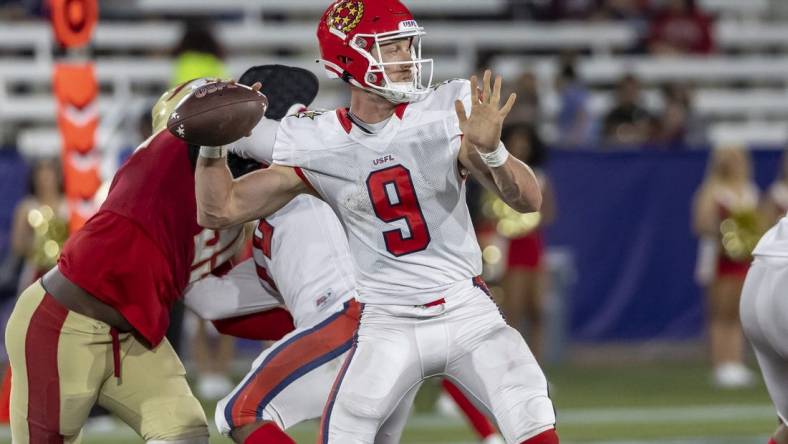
(217, 113)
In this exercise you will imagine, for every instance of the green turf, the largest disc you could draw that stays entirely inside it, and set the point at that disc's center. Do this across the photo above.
(605, 404)
(643, 385)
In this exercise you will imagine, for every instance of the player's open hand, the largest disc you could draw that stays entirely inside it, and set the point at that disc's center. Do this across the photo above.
(483, 127)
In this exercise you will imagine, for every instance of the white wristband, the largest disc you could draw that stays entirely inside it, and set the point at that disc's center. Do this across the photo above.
(213, 152)
(496, 158)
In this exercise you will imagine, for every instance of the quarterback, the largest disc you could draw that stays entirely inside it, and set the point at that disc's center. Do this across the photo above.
(393, 166)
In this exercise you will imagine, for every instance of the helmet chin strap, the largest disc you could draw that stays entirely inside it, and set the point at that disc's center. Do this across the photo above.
(397, 92)
(392, 96)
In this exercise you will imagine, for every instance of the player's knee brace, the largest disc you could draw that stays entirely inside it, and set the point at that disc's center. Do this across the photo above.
(546, 437)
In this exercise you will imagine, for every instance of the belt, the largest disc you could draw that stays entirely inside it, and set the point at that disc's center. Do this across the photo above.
(440, 301)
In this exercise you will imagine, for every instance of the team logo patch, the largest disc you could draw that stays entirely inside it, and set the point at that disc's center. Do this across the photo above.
(322, 301)
(308, 114)
(345, 15)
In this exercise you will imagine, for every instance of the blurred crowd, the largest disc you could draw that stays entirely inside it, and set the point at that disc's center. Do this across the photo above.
(635, 117)
(665, 26)
(629, 122)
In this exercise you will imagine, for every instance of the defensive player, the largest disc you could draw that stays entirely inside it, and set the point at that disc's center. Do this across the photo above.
(392, 167)
(91, 331)
(764, 317)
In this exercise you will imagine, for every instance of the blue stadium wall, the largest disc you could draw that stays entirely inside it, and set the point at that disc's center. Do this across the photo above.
(626, 218)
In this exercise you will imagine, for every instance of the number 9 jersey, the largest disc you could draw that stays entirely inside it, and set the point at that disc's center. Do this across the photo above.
(398, 190)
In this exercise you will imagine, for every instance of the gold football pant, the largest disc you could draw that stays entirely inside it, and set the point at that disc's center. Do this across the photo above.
(63, 363)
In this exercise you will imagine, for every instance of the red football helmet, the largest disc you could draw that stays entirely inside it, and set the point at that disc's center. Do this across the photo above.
(350, 30)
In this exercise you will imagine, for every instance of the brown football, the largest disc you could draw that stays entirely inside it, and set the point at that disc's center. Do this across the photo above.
(217, 113)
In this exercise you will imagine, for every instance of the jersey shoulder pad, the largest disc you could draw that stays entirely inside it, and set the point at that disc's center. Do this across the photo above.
(304, 121)
(453, 87)
(299, 134)
(445, 93)
(452, 83)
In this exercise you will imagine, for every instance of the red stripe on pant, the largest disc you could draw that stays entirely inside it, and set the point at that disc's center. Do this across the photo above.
(479, 422)
(43, 380)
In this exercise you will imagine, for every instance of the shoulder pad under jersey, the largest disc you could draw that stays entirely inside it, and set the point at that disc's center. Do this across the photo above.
(445, 93)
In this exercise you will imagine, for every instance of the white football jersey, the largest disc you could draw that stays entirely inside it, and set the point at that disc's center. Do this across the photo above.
(302, 256)
(399, 193)
(775, 241)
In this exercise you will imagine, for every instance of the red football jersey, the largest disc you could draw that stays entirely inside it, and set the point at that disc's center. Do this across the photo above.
(143, 247)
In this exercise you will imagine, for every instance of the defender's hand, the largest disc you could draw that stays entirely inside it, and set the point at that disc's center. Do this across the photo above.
(483, 126)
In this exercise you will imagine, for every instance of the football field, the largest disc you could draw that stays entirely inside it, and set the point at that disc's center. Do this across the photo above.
(634, 404)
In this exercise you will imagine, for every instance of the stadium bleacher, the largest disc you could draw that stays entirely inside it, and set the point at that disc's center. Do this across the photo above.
(132, 62)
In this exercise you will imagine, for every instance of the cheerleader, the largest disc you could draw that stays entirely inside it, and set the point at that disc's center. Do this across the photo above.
(775, 202)
(725, 218)
(526, 278)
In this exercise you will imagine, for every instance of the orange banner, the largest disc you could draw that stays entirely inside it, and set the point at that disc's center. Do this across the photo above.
(81, 175)
(76, 89)
(77, 136)
(73, 21)
(75, 84)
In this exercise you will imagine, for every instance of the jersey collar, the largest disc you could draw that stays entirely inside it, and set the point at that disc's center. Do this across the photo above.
(347, 123)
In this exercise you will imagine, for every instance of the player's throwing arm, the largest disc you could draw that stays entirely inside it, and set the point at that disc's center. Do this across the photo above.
(220, 114)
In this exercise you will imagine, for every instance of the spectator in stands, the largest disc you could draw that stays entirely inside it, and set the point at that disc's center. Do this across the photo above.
(678, 126)
(23, 9)
(198, 54)
(625, 9)
(525, 282)
(628, 122)
(680, 27)
(526, 109)
(775, 202)
(635, 13)
(574, 121)
(549, 10)
(725, 218)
